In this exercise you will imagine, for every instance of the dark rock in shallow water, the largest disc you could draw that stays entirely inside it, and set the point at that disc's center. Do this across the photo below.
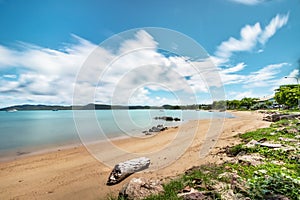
(124, 169)
(155, 129)
(167, 118)
(176, 119)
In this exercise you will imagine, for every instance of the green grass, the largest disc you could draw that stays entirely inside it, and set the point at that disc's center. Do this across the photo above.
(170, 190)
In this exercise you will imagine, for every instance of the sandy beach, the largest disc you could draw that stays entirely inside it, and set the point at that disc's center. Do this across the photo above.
(81, 173)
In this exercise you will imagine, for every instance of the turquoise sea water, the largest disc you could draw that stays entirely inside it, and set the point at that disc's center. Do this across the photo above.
(28, 131)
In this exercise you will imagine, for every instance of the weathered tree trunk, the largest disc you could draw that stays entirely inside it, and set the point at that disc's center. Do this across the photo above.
(277, 117)
(124, 169)
(291, 116)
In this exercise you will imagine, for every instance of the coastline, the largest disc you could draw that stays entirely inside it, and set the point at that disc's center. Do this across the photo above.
(11, 155)
(74, 173)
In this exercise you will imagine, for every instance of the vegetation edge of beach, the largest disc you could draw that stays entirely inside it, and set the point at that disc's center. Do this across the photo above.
(277, 175)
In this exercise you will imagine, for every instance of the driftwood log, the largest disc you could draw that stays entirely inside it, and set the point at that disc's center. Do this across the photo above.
(124, 169)
(277, 117)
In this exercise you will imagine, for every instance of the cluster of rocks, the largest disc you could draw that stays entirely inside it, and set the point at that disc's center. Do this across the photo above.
(155, 129)
(274, 117)
(167, 118)
(202, 191)
(140, 188)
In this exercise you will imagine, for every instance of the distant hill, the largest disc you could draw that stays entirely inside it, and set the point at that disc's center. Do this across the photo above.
(36, 107)
(85, 107)
(93, 106)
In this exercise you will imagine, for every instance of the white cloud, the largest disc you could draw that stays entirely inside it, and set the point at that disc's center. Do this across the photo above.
(46, 75)
(137, 75)
(10, 76)
(275, 24)
(43, 75)
(248, 2)
(286, 81)
(260, 51)
(250, 36)
(7, 57)
(265, 76)
(237, 68)
(44, 60)
(240, 95)
(142, 40)
(138, 66)
(247, 41)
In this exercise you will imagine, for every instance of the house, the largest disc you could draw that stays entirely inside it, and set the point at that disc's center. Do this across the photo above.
(266, 102)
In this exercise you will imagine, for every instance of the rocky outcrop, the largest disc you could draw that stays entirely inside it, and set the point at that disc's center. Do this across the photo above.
(155, 129)
(167, 118)
(124, 169)
(139, 188)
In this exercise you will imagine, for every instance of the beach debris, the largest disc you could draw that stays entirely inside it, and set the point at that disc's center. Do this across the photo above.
(125, 169)
(276, 197)
(167, 118)
(253, 159)
(139, 188)
(287, 139)
(20, 153)
(269, 145)
(292, 131)
(251, 144)
(192, 194)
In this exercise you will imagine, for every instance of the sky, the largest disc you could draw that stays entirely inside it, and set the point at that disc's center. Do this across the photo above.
(63, 52)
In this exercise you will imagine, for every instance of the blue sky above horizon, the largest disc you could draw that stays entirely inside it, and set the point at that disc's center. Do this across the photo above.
(254, 44)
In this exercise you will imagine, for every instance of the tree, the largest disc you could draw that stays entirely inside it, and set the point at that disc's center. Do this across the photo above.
(236, 104)
(248, 102)
(288, 95)
(219, 105)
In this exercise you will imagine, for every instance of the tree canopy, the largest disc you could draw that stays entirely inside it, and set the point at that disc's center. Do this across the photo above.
(288, 95)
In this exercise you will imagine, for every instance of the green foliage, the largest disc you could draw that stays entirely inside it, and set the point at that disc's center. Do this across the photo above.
(219, 105)
(235, 150)
(248, 102)
(275, 183)
(288, 95)
(170, 190)
(233, 104)
(244, 104)
(205, 173)
(259, 134)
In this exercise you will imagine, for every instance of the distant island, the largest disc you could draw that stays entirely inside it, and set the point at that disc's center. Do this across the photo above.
(93, 106)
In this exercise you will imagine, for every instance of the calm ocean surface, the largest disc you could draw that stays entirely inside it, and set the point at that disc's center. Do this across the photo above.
(30, 131)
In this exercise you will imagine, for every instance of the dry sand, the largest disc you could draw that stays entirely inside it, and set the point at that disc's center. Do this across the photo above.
(78, 174)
